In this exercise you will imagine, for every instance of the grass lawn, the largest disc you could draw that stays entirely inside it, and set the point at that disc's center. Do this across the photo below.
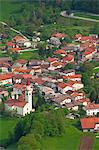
(6, 125)
(85, 15)
(69, 141)
(96, 70)
(7, 7)
(29, 55)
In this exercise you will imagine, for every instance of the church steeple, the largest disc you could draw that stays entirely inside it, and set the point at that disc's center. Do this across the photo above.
(28, 94)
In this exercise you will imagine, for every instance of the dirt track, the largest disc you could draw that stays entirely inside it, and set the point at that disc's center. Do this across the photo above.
(86, 143)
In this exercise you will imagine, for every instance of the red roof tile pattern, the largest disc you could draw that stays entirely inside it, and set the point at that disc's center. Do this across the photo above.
(89, 123)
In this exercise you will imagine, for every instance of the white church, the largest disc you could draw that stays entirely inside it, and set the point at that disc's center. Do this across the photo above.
(21, 99)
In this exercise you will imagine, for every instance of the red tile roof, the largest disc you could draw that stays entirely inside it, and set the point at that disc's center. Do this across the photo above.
(77, 36)
(10, 44)
(18, 38)
(39, 81)
(68, 58)
(72, 76)
(86, 38)
(27, 76)
(52, 59)
(12, 102)
(58, 35)
(63, 85)
(15, 49)
(88, 52)
(21, 70)
(92, 106)
(6, 76)
(89, 123)
(60, 51)
(21, 61)
(56, 64)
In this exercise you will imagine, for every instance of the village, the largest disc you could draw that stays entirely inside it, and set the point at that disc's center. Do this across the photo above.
(62, 88)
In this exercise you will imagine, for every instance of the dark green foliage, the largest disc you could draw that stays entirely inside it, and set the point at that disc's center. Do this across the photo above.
(38, 124)
(69, 66)
(81, 112)
(93, 96)
(28, 142)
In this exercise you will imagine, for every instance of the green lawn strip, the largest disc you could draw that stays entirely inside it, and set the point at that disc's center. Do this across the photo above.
(85, 15)
(6, 125)
(96, 70)
(70, 139)
(29, 55)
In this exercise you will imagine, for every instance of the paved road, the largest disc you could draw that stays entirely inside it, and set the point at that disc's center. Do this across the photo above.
(18, 32)
(63, 13)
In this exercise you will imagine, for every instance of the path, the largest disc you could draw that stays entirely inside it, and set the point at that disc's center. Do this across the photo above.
(86, 143)
(18, 32)
(63, 13)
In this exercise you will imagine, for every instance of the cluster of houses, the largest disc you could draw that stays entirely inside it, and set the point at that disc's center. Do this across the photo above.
(64, 89)
(60, 87)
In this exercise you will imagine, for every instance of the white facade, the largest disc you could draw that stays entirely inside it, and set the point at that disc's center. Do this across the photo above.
(68, 100)
(6, 81)
(91, 112)
(27, 44)
(64, 90)
(78, 86)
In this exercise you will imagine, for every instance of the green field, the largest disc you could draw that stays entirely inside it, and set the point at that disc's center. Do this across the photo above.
(7, 7)
(69, 141)
(96, 70)
(29, 55)
(85, 15)
(6, 125)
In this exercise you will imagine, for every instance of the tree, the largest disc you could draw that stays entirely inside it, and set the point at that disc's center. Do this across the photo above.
(1, 108)
(93, 96)
(28, 142)
(69, 66)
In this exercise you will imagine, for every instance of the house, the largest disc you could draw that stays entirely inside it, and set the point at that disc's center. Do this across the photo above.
(60, 52)
(55, 41)
(85, 39)
(92, 109)
(77, 95)
(5, 67)
(6, 59)
(52, 60)
(35, 62)
(88, 54)
(37, 69)
(59, 35)
(90, 124)
(21, 41)
(72, 106)
(77, 37)
(84, 101)
(76, 85)
(46, 90)
(15, 50)
(64, 87)
(22, 71)
(21, 63)
(69, 72)
(17, 78)
(3, 93)
(6, 78)
(55, 65)
(69, 48)
(21, 104)
(11, 45)
(61, 99)
(68, 58)
(38, 81)
(76, 77)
